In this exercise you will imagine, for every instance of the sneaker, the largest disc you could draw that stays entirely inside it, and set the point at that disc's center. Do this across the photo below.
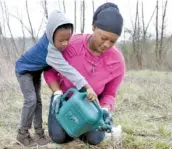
(24, 139)
(41, 138)
(116, 133)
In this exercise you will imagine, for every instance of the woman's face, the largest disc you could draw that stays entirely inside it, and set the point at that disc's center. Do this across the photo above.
(102, 40)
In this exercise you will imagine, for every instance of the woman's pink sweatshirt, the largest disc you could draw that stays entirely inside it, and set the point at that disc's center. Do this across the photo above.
(104, 73)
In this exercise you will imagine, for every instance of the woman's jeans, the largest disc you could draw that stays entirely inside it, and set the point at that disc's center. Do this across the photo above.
(59, 136)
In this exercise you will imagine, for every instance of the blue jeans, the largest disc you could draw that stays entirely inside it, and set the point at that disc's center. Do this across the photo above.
(59, 135)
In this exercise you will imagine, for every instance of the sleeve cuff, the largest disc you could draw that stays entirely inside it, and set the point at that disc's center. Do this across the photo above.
(108, 100)
(81, 84)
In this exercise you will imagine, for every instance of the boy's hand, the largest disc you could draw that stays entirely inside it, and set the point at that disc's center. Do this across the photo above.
(56, 101)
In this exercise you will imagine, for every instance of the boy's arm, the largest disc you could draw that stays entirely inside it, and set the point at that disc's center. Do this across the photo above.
(56, 60)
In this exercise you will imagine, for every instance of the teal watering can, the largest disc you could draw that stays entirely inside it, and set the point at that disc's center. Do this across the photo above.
(78, 115)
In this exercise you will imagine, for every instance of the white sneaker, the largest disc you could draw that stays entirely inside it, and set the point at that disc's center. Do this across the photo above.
(116, 133)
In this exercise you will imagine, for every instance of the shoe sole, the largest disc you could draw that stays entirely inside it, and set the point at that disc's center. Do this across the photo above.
(25, 145)
(42, 146)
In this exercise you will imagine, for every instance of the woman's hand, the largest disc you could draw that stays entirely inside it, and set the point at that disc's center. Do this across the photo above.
(107, 117)
(91, 94)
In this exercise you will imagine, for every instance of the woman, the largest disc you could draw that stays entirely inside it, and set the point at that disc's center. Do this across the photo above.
(98, 61)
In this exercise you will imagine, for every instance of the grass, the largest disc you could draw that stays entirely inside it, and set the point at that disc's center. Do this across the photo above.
(144, 104)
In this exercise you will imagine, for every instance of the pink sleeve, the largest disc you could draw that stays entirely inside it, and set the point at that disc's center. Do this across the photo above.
(108, 97)
(50, 75)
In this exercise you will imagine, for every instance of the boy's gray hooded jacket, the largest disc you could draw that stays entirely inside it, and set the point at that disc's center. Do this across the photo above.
(44, 54)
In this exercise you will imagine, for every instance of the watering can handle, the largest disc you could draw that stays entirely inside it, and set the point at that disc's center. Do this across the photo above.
(71, 90)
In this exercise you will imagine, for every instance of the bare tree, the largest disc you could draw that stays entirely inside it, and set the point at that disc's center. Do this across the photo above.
(30, 30)
(64, 7)
(139, 34)
(93, 6)
(59, 4)
(10, 31)
(136, 36)
(135, 28)
(4, 46)
(143, 23)
(22, 28)
(82, 6)
(40, 26)
(139, 49)
(30, 23)
(1, 36)
(0, 30)
(75, 15)
(145, 27)
(144, 36)
(20, 20)
(161, 48)
(45, 8)
(157, 31)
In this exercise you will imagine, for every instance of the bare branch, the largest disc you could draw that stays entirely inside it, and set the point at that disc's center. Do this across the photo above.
(3, 33)
(82, 16)
(157, 33)
(0, 30)
(40, 26)
(59, 4)
(23, 32)
(64, 8)
(20, 20)
(31, 28)
(143, 22)
(162, 29)
(136, 17)
(1, 36)
(150, 19)
(9, 28)
(93, 6)
(44, 4)
(135, 29)
(75, 14)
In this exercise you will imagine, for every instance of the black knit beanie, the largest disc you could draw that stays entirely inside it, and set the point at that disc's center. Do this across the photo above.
(107, 17)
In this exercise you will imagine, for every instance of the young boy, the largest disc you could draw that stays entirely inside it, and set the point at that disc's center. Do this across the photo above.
(29, 67)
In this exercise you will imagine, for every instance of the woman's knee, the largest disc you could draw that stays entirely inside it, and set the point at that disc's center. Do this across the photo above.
(56, 132)
(58, 138)
(95, 137)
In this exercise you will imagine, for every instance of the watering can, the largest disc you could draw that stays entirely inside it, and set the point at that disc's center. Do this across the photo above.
(78, 115)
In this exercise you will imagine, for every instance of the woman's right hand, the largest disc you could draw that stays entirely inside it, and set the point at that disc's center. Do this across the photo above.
(91, 94)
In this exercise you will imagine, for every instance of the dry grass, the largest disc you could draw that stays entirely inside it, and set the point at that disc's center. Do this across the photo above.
(144, 111)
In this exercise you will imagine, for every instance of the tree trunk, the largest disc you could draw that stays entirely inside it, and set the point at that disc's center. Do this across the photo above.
(157, 33)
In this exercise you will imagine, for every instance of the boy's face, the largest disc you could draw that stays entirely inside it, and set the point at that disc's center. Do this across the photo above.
(62, 37)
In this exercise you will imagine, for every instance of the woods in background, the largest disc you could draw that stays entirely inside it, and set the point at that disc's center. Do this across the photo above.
(141, 49)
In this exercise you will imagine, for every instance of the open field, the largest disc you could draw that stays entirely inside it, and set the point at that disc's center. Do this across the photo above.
(144, 109)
